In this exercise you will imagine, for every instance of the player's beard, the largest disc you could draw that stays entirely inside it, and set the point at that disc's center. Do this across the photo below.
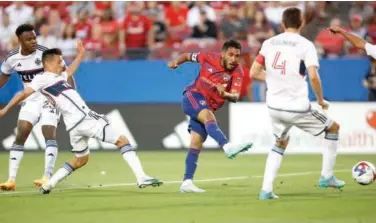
(225, 62)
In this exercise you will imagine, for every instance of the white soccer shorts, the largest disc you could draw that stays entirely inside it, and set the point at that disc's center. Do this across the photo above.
(315, 121)
(39, 110)
(90, 127)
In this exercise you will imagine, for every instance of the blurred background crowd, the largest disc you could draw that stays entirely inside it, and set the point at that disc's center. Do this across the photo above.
(161, 30)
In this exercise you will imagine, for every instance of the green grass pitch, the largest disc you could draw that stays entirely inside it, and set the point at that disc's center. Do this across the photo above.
(232, 188)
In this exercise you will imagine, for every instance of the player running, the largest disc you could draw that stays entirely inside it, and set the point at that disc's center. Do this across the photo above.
(220, 79)
(81, 122)
(355, 41)
(285, 58)
(26, 61)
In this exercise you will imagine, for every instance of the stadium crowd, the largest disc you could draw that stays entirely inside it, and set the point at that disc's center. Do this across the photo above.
(160, 30)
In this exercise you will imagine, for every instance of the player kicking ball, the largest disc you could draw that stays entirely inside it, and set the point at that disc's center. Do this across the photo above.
(220, 78)
(284, 58)
(81, 122)
(26, 61)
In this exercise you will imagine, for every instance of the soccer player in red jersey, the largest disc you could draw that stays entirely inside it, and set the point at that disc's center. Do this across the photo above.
(220, 79)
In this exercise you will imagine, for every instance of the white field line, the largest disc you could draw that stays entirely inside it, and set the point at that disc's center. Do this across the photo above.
(95, 186)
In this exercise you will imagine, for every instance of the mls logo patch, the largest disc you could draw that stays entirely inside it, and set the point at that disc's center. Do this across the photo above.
(38, 61)
(202, 102)
(226, 77)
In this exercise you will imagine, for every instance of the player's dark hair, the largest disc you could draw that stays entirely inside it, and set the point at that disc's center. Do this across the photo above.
(49, 53)
(231, 44)
(292, 18)
(24, 28)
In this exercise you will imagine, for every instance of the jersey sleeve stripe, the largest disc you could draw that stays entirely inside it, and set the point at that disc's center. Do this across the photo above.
(11, 53)
(260, 59)
(41, 48)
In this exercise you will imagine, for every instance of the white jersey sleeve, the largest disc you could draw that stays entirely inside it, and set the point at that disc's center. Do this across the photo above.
(311, 58)
(263, 48)
(38, 83)
(65, 75)
(6, 68)
(371, 50)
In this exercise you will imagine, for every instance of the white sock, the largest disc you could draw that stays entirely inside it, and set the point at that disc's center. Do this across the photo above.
(50, 157)
(329, 155)
(133, 161)
(227, 147)
(15, 157)
(63, 172)
(273, 163)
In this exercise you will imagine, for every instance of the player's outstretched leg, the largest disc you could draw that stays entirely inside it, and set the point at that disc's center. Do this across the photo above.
(134, 163)
(16, 153)
(49, 133)
(77, 162)
(273, 163)
(207, 117)
(327, 178)
(192, 157)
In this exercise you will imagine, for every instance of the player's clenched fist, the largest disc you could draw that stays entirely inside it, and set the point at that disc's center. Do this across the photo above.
(221, 89)
(324, 104)
(172, 65)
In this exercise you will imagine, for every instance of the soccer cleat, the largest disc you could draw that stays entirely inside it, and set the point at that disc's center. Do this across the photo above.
(10, 185)
(45, 188)
(234, 150)
(331, 182)
(41, 181)
(267, 195)
(148, 181)
(188, 187)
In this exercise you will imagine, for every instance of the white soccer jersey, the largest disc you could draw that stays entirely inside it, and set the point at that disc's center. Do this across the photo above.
(285, 58)
(63, 97)
(27, 67)
(371, 50)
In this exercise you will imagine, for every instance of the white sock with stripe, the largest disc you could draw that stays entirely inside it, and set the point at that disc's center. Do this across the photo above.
(273, 163)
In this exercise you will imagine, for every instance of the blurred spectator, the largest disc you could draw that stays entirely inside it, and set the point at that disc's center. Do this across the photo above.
(76, 7)
(38, 19)
(55, 23)
(93, 43)
(260, 30)
(250, 9)
(232, 26)
(364, 9)
(371, 31)
(68, 42)
(45, 38)
(153, 9)
(356, 28)
(206, 28)
(19, 13)
(110, 32)
(194, 13)
(220, 8)
(273, 12)
(176, 20)
(246, 92)
(6, 32)
(328, 44)
(101, 6)
(324, 12)
(159, 28)
(138, 34)
(119, 9)
(83, 26)
(369, 81)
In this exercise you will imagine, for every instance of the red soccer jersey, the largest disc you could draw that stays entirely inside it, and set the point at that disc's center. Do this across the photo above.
(136, 31)
(211, 74)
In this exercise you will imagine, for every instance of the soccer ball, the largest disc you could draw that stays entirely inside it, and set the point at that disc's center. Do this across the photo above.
(364, 173)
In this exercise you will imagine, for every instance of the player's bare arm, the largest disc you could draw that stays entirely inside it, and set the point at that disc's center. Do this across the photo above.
(185, 57)
(232, 96)
(72, 68)
(315, 80)
(19, 97)
(257, 71)
(354, 40)
(3, 79)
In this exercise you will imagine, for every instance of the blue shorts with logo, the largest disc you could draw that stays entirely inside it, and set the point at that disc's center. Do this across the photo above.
(192, 104)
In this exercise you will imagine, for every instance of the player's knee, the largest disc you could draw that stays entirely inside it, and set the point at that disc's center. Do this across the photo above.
(49, 132)
(196, 140)
(122, 141)
(334, 128)
(81, 161)
(205, 115)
